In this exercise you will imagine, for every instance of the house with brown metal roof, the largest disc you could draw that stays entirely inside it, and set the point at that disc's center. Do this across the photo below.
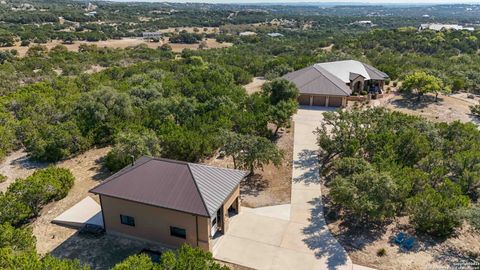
(170, 202)
(331, 83)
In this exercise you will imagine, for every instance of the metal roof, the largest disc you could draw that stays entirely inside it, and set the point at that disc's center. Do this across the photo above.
(316, 80)
(177, 185)
(215, 184)
(331, 78)
(342, 69)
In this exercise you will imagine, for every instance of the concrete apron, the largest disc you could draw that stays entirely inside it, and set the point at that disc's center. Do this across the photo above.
(264, 238)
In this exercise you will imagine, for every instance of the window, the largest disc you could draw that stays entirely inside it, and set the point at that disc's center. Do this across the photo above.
(178, 232)
(127, 220)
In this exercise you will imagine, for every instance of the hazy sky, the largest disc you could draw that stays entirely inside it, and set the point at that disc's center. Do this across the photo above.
(331, 1)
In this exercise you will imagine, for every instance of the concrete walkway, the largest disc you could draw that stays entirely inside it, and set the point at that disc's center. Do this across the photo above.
(291, 236)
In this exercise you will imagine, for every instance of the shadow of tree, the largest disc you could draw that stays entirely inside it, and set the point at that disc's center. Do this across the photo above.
(103, 172)
(321, 241)
(26, 163)
(411, 102)
(308, 162)
(253, 185)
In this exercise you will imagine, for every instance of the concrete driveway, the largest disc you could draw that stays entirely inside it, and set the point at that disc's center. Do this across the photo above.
(292, 236)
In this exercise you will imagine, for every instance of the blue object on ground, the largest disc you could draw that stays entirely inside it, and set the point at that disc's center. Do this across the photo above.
(408, 244)
(399, 238)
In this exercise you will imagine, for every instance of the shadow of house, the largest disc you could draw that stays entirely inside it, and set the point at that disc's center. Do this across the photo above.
(102, 252)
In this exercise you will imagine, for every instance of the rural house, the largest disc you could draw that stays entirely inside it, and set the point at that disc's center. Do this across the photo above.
(331, 83)
(170, 202)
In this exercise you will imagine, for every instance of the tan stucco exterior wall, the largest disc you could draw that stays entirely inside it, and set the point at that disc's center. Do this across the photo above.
(232, 199)
(153, 223)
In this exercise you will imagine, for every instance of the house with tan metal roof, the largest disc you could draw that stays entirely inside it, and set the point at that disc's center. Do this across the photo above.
(170, 202)
(331, 83)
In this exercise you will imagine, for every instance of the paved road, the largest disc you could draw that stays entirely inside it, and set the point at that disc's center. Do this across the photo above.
(292, 236)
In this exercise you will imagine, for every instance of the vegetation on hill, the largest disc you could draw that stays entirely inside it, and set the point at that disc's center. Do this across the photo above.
(382, 164)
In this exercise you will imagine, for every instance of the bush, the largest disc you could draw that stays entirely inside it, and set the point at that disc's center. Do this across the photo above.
(3, 178)
(18, 239)
(130, 146)
(42, 187)
(381, 252)
(475, 110)
(186, 257)
(437, 211)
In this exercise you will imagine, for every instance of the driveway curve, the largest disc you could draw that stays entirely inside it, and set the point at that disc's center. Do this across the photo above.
(292, 236)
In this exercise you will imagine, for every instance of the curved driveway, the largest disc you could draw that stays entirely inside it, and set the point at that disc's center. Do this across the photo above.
(291, 236)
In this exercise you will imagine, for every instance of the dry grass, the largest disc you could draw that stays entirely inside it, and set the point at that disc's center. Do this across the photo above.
(255, 85)
(120, 44)
(270, 186)
(446, 109)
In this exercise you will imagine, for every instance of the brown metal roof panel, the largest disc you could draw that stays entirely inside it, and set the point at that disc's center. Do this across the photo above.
(159, 183)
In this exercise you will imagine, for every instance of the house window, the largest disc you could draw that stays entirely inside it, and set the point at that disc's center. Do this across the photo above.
(178, 232)
(127, 220)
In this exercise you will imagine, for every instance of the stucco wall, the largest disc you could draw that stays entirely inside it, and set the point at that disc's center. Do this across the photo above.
(229, 201)
(153, 223)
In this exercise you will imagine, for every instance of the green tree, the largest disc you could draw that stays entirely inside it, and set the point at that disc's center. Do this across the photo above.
(131, 145)
(421, 83)
(134, 262)
(437, 211)
(42, 187)
(367, 196)
(280, 90)
(250, 152)
(102, 112)
(281, 113)
(187, 257)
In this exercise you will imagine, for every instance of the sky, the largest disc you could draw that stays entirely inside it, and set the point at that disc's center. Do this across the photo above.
(334, 1)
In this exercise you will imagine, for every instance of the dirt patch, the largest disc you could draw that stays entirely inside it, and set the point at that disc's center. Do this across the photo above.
(255, 85)
(270, 186)
(446, 109)
(17, 165)
(88, 173)
(119, 44)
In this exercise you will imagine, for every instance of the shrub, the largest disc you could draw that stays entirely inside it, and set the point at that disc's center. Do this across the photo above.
(18, 239)
(3, 178)
(381, 252)
(437, 211)
(41, 187)
(475, 110)
(130, 146)
(186, 257)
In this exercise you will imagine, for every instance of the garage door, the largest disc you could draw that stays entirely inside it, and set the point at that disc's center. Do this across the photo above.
(335, 101)
(319, 101)
(304, 100)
